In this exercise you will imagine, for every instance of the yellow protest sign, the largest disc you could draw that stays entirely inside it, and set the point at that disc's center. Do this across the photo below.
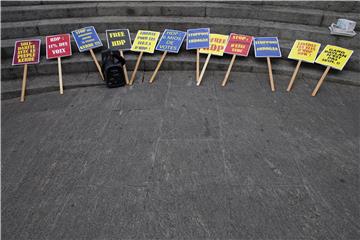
(335, 57)
(145, 41)
(304, 51)
(217, 45)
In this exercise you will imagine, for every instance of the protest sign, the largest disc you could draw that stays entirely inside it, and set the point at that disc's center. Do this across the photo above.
(335, 57)
(267, 47)
(217, 47)
(197, 38)
(145, 41)
(332, 57)
(302, 51)
(58, 46)
(170, 41)
(87, 39)
(26, 52)
(119, 39)
(237, 45)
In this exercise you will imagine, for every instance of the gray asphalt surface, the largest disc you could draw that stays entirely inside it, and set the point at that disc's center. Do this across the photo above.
(175, 161)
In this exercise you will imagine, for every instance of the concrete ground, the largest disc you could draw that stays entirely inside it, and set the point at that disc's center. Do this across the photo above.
(175, 161)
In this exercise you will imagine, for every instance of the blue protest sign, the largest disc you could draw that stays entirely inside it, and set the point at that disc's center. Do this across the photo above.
(86, 38)
(198, 38)
(171, 41)
(267, 47)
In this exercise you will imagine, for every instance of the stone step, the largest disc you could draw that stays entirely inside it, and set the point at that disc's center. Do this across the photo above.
(192, 9)
(7, 3)
(49, 83)
(83, 63)
(338, 6)
(253, 27)
(7, 49)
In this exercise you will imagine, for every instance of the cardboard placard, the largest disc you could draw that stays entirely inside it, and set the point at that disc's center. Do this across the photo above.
(217, 45)
(304, 51)
(58, 46)
(86, 38)
(171, 41)
(335, 57)
(267, 47)
(26, 52)
(145, 41)
(118, 39)
(197, 38)
(239, 44)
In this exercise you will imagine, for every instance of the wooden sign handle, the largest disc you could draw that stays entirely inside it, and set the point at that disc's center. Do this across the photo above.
(158, 67)
(203, 70)
(60, 76)
(124, 68)
(97, 63)
(136, 68)
(228, 71)
(197, 64)
(23, 87)
(320, 82)
(293, 76)
(270, 74)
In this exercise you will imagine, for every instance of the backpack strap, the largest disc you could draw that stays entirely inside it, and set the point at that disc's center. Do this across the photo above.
(117, 56)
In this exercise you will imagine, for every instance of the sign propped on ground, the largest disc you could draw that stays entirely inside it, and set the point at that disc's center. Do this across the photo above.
(217, 46)
(237, 45)
(26, 52)
(86, 40)
(170, 41)
(119, 39)
(145, 41)
(197, 38)
(332, 57)
(267, 47)
(58, 46)
(302, 51)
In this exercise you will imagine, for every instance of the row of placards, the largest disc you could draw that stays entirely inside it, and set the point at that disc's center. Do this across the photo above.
(28, 51)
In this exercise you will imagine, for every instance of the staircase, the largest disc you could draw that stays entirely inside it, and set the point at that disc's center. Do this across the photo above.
(286, 20)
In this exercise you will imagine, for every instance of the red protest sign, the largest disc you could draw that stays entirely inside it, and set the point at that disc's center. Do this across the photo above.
(239, 44)
(58, 46)
(26, 52)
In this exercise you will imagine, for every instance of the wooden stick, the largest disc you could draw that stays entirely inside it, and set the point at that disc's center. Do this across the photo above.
(124, 68)
(270, 74)
(97, 63)
(23, 87)
(158, 67)
(60, 76)
(197, 64)
(136, 68)
(294, 76)
(320, 81)
(203, 70)
(228, 71)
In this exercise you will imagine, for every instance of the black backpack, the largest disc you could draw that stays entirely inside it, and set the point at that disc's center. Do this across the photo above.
(112, 68)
